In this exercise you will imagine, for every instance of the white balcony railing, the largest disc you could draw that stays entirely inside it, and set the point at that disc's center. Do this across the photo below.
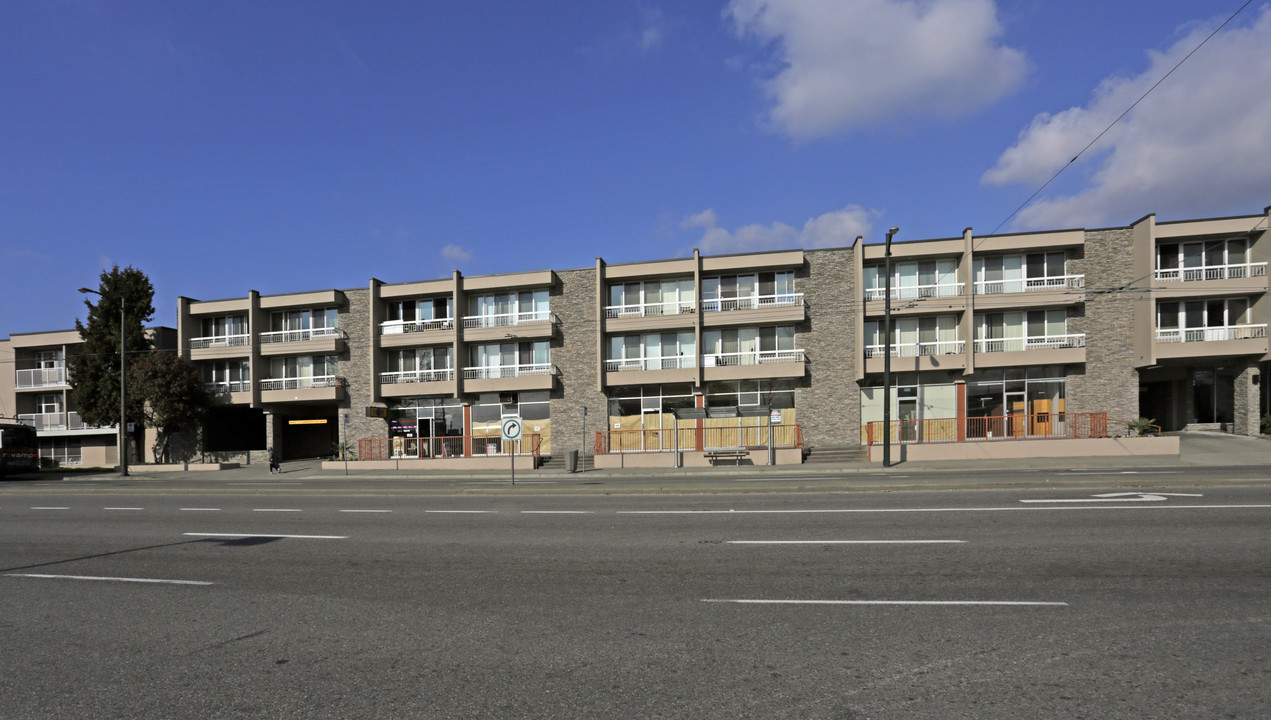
(653, 309)
(910, 292)
(755, 357)
(229, 386)
(217, 341)
(508, 371)
(301, 383)
(397, 327)
(752, 302)
(1052, 282)
(918, 349)
(1211, 334)
(289, 336)
(1213, 272)
(54, 421)
(509, 319)
(41, 377)
(1034, 342)
(416, 376)
(649, 363)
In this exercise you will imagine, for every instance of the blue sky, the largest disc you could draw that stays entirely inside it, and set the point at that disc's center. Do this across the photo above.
(286, 146)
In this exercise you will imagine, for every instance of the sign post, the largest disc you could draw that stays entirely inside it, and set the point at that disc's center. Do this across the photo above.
(512, 432)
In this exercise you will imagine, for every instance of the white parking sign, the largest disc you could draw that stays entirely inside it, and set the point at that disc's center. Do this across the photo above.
(512, 428)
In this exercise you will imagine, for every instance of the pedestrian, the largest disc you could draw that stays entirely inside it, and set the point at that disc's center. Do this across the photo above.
(274, 467)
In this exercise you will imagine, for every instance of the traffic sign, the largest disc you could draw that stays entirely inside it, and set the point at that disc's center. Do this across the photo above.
(512, 428)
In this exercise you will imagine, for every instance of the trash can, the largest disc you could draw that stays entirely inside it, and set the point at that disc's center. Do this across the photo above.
(571, 461)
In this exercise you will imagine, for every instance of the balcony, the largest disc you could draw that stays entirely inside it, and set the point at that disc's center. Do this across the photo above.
(418, 382)
(486, 328)
(318, 387)
(1053, 282)
(399, 327)
(1238, 271)
(911, 292)
(649, 363)
(755, 364)
(407, 333)
(220, 341)
(638, 371)
(753, 309)
(230, 392)
(753, 302)
(1037, 342)
(1210, 342)
(44, 422)
(41, 377)
(653, 309)
(319, 341)
(499, 378)
(1211, 334)
(916, 356)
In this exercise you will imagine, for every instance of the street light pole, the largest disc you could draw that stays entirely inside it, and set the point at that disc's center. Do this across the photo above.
(887, 349)
(123, 382)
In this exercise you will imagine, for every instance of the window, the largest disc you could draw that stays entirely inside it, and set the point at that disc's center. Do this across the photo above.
(301, 325)
(1205, 320)
(914, 336)
(224, 326)
(650, 298)
(501, 360)
(924, 278)
(227, 375)
(510, 308)
(1022, 330)
(651, 351)
(748, 346)
(1206, 260)
(747, 292)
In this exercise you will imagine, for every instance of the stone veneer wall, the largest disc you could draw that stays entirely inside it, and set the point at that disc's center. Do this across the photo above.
(575, 350)
(828, 399)
(357, 370)
(1246, 413)
(1110, 382)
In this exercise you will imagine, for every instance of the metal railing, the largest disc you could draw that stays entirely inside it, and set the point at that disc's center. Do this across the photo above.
(754, 357)
(229, 386)
(214, 341)
(449, 446)
(509, 319)
(752, 302)
(650, 363)
(919, 349)
(41, 377)
(398, 327)
(508, 371)
(1211, 334)
(911, 292)
(651, 309)
(415, 376)
(288, 336)
(1037, 426)
(302, 383)
(1034, 342)
(55, 421)
(1213, 272)
(697, 439)
(1047, 282)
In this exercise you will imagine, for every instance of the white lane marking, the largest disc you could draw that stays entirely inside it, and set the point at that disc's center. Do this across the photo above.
(1024, 603)
(367, 511)
(123, 508)
(557, 512)
(200, 509)
(50, 508)
(263, 483)
(276, 510)
(845, 542)
(1119, 497)
(462, 512)
(264, 535)
(110, 579)
(939, 510)
(506, 482)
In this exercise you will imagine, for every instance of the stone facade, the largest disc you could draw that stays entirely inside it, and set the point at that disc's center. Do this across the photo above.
(1109, 381)
(828, 399)
(575, 352)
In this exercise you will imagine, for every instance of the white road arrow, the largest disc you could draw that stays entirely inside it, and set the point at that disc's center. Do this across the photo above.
(1119, 497)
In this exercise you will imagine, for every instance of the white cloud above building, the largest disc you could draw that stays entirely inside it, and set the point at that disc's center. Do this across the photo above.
(837, 228)
(849, 64)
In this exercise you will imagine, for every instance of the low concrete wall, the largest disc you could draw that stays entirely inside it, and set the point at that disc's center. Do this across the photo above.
(1007, 450)
(692, 459)
(523, 463)
(182, 467)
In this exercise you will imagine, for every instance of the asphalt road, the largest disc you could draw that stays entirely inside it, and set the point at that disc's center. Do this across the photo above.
(304, 602)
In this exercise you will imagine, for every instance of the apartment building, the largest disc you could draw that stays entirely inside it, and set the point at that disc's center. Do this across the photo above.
(37, 392)
(1005, 336)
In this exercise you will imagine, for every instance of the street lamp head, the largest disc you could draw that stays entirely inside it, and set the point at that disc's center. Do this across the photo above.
(893, 230)
(90, 290)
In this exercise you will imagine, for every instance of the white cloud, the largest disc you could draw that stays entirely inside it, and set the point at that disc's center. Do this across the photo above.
(455, 253)
(1200, 143)
(833, 229)
(854, 63)
(653, 28)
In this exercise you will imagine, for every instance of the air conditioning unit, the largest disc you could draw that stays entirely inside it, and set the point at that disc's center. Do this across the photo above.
(507, 398)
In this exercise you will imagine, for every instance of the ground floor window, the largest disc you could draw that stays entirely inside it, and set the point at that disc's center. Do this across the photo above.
(737, 414)
(415, 424)
(1015, 402)
(1213, 397)
(534, 409)
(60, 452)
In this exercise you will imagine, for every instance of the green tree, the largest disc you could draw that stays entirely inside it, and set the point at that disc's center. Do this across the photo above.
(94, 366)
(171, 394)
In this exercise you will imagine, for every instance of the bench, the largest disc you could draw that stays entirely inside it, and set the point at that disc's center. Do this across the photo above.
(735, 455)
